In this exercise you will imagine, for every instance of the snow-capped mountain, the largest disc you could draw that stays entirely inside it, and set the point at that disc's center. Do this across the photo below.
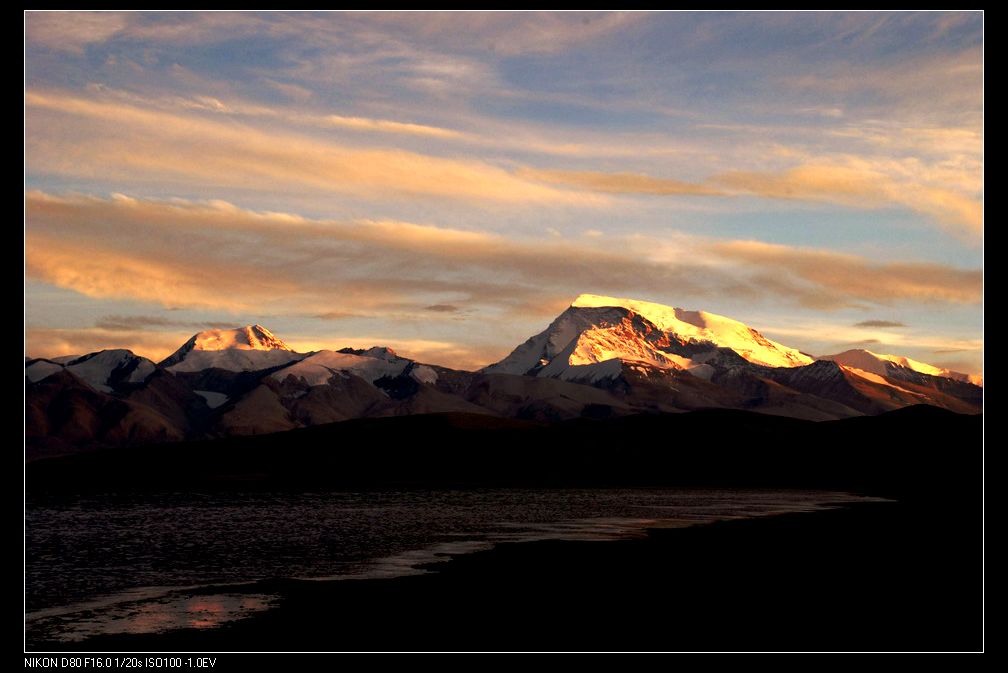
(370, 364)
(591, 338)
(603, 356)
(896, 366)
(249, 348)
(102, 370)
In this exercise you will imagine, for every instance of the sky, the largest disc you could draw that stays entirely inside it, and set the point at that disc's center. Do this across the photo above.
(447, 183)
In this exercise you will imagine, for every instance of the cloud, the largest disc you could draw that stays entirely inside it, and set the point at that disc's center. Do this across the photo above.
(859, 187)
(121, 142)
(863, 185)
(845, 279)
(879, 323)
(100, 269)
(506, 33)
(217, 256)
(122, 323)
(72, 31)
(53, 342)
(823, 336)
(214, 255)
(196, 140)
(387, 126)
(971, 367)
(295, 116)
(947, 84)
(335, 315)
(619, 183)
(290, 90)
(834, 112)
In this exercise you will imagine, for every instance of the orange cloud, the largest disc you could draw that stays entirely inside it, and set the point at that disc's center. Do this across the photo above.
(102, 271)
(388, 126)
(619, 183)
(853, 278)
(182, 253)
(123, 141)
(51, 342)
(859, 187)
(72, 31)
(128, 140)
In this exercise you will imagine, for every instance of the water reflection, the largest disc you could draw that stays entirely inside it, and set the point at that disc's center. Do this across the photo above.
(171, 611)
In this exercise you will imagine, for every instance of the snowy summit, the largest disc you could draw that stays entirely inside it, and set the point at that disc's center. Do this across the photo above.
(596, 333)
(248, 348)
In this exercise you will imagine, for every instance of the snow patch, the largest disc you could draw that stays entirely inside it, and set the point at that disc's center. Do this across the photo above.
(701, 371)
(235, 360)
(213, 399)
(424, 374)
(318, 368)
(40, 369)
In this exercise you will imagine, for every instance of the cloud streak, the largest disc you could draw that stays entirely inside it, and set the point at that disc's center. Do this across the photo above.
(862, 187)
(121, 141)
(151, 143)
(218, 256)
(879, 323)
(859, 187)
(72, 31)
(620, 183)
(848, 279)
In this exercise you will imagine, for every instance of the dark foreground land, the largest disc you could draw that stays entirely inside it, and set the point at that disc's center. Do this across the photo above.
(899, 575)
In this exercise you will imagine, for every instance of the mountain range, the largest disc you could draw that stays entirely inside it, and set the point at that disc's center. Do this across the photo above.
(601, 357)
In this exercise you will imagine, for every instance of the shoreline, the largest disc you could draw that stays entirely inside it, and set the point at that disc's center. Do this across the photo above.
(861, 576)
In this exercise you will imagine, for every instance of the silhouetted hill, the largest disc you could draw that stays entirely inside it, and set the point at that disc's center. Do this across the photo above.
(908, 451)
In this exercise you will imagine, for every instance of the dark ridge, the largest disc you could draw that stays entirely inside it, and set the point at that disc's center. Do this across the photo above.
(906, 453)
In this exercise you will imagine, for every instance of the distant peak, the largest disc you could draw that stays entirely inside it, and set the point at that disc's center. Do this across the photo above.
(250, 337)
(879, 363)
(380, 352)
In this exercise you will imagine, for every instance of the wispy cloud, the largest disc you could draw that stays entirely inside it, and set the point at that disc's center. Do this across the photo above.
(172, 138)
(72, 31)
(848, 279)
(860, 187)
(124, 141)
(216, 255)
(124, 323)
(852, 186)
(388, 126)
(934, 86)
(879, 323)
(831, 337)
(502, 162)
(53, 342)
(620, 183)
